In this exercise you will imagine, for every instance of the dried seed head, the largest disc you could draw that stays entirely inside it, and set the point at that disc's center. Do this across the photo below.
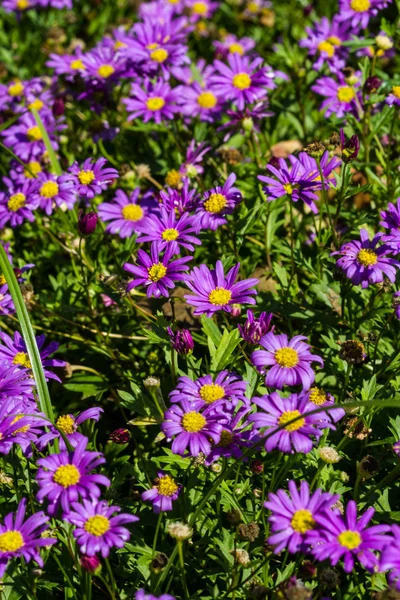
(241, 556)
(356, 428)
(329, 455)
(352, 351)
(329, 578)
(234, 517)
(159, 562)
(143, 171)
(368, 466)
(180, 531)
(315, 149)
(249, 532)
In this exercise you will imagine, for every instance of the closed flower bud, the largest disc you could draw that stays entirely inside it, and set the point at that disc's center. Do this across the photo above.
(368, 466)
(216, 468)
(329, 455)
(151, 383)
(383, 42)
(236, 310)
(315, 149)
(181, 340)
(256, 467)
(254, 328)
(87, 222)
(396, 448)
(180, 531)
(120, 436)
(372, 84)
(350, 148)
(159, 562)
(58, 107)
(344, 477)
(241, 557)
(91, 564)
(248, 124)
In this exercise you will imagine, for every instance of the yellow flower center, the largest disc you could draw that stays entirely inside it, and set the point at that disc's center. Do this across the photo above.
(349, 539)
(367, 257)
(170, 235)
(334, 40)
(167, 486)
(193, 422)
(97, 525)
(220, 296)
(157, 272)
(23, 4)
(159, 55)
(77, 65)
(360, 5)
(252, 7)
(15, 89)
(236, 49)
(211, 392)
(11, 541)
(23, 429)
(22, 359)
(206, 100)
(132, 212)
(67, 475)
(16, 201)
(35, 167)
(155, 103)
(241, 81)
(287, 357)
(200, 8)
(396, 91)
(118, 44)
(225, 439)
(288, 416)
(66, 424)
(3, 280)
(86, 177)
(302, 521)
(215, 203)
(36, 104)
(345, 93)
(173, 178)
(326, 47)
(34, 134)
(288, 188)
(105, 71)
(49, 189)
(317, 396)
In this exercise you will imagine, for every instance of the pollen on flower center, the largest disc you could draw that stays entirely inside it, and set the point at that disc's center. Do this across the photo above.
(22, 359)
(367, 257)
(288, 416)
(302, 521)
(105, 71)
(396, 91)
(36, 104)
(349, 539)
(317, 396)
(360, 5)
(170, 235)
(193, 422)
(200, 8)
(236, 49)
(345, 93)
(225, 439)
(159, 55)
(118, 44)
(288, 188)
(241, 81)
(210, 392)
(334, 40)
(16, 201)
(15, 89)
(155, 103)
(157, 272)
(327, 47)
(34, 169)
(67, 475)
(167, 486)
(86, 177)
(77, 65)
(66, 423)
(3, 280)
(220, 296)
(11, 541)
(287, 357)
(49, 189)
(215, 203)
(23, 4)
(34, 134)
(23, 429)
(132, 212)
(97, 525)
(206, 100)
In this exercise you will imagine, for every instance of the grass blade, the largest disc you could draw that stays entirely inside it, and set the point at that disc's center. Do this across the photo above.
(52, 155)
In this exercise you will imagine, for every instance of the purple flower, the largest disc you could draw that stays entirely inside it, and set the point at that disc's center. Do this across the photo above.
(357, 12)
(293, 517)
(191, 167)
(319, 397)
(126, 214)
(103, 65)
(364, 263)
(394, 96)
(280, 412)
(20, 423)
(97, 528)
(66, 476)
(20, 538)
(226, 388)
(14, 383)
(217, 203)
(25, 137)
(51, 190)
(341, 98)
(141, 595)
(17, 5)
(163, 493)
(391, 216)
(214, 291)
(87, 222)
(396, 304)
(180, 201)
(234, 437)
(345, 537)
(390, 558)
(232, 45)
(157, 101)
(192, 428)
(198, 101)
(254, 328)
(248, 119)
(181, 340)
(171, 232)
(289, 360)
(68, 425)
(67, 64)
(324, 41)
(92, 178)
(201, 9)
(17, 204)
(6, 302)
(350, 148)
(90, 563)
(13, 352)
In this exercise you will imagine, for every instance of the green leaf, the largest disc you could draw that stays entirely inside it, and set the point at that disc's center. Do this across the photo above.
(211, 329)
(55, 165)
(281, 274)
(228, 343)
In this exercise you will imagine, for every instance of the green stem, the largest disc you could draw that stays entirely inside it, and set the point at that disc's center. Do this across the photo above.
(156, 533)
(182, 566)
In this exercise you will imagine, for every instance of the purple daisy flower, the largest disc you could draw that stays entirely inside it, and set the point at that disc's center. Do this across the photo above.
(217, 203)
(170, 231)
(163, 493)
(157, 273)
(192, 428)
(18, 6)
(357, 12)
(66, 476)
(248, 119)
(198, 101)
(390, 558)
(319, 397)
(125, 213)
(214, 291)
(6, 302)
(345, 537)
(92, 178)
(234, 437)
(141, 595)
(53, 190)
(97, 527)
(68, 425)
(17, 204)
(201, 9)
(391, 216)
(192, 167)
(394, 96)
(279, 412)
(233, 45)
(157, 101)
(227, 388)
(180, 201)
(103, 65)
(242, 80)
(293, 517)
(289, 360)
(67, 64)
(17, 427)
(25, 138)
(255, 328)
(324, 41)
(23, 538)
(13, 352)
(14, 382)
(341, 98)
(364, 262)
(19, 174)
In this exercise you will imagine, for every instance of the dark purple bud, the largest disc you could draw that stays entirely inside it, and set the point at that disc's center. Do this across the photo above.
(58, 107)
(256, 467)
(307, 10)
(274, 162)
(253, 329)
(181, 340)
(120, 436)
(90, 563)
(87, 222)
(372, 84)
(350, 148)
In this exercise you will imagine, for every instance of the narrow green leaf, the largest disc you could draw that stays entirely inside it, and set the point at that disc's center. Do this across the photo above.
(52, 155)
(211, 329)
(228, 343)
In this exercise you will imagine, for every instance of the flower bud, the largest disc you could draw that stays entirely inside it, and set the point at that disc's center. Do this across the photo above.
(120, 436)
(344, 477)
(383, 42)
(87, 222)
(91, 564)
(254, 328)
(241, 556)
(396, 448)
(329, 455)
(256, 467)
(58, 107)
(236, 310)
(180, 531)
(151, 383)
(368, 466)
(350, 148)
(372, 84)
(181, 340)
(216, 468)
(248, 124)
(159, 562)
